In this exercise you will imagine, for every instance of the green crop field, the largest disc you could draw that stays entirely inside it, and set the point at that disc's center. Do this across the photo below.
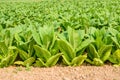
(21, 0)
(44, 33)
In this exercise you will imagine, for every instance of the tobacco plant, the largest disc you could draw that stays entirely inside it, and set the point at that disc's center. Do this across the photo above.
(115, 37)
(100, 50)
(7, 53)
(24, 46)
(72, 44)
(46, 48)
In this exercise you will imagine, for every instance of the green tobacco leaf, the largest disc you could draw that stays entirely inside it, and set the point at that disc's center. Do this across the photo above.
(42, 53)
(47, 36)
(116, 55)
(77, 61)
(1, 57)
(105, 52)
(13, 56)
(5, 61)
(93, 51)
(113, 59)
(19, 63)
(53, 44)
(29, 61)
(31, 48)
(8, 58)
(18, 38)
(54, 50)
(71, 35)
(84, 44)
(4, 48)
(113, 31)
(89, 61)
(97, 62)
(98, 38)
(39, 63)
(75, 37)
(53, 60)
(66, 49)
(114, 39)
(92, 30)
(62, 35)
(36, 36)
(118, 37)
(66, 61)
(23, 55)
(8, 37)
(116, 65)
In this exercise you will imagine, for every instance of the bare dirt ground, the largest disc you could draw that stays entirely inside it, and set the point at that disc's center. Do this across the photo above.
(106, 72)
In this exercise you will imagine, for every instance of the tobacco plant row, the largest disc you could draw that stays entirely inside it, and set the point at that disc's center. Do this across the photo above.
(45, 47)
(67, 32)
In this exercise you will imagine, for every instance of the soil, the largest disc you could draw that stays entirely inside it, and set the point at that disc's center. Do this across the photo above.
(106, 72)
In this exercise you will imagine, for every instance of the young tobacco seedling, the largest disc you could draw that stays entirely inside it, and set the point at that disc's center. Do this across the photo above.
(46, 48)
(73, 44)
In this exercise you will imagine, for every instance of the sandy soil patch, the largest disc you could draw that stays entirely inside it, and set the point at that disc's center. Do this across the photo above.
(106, 72)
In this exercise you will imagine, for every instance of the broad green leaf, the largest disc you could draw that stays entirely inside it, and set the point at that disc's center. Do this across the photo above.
(47, 36)
(8, 37)
(92, 30)
(98, 38)
(39, 63)
(106, 55)
(118, 37)
(13, 56)
(29, 61)
(105, 52)
(114, 39)
(84, 44)
(63, 35)
(66, 61)
(99, 42)
(31, 48)
(23, 55)
(66, 49)
(77, 61)
(71, 36)
(19, 63)
(93, 51)
(112, 59)
(12, 47)
(4, 48)
(89, 61)
(97, 62)
(54, 50)
(113, 31)
(17, 37)
(36, 36)
(116, 65)
(42, 52)
(5, 61)
(53, 60)
(75, 37)
(53, 43)
(116, 55)
(1, 57)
